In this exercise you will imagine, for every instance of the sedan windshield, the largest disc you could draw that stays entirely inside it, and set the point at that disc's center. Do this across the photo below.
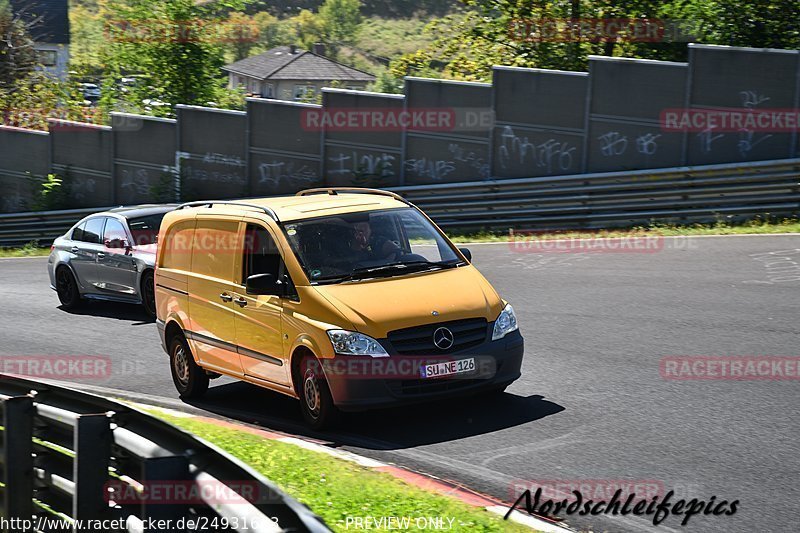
(371, 244)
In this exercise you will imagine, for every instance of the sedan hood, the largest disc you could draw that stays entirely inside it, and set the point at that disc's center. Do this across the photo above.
(378, 306)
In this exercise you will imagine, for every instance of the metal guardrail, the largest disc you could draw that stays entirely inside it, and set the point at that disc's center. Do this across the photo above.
(676, 195)
(42, 227)
(69, 455)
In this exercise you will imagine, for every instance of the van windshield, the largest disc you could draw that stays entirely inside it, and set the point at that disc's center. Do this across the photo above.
(353, 246)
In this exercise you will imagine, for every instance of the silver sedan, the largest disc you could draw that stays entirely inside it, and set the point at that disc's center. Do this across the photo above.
(108, 256)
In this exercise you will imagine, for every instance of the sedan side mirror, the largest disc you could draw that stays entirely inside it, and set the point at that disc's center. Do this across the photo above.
(117, 243)
(263, 284)
(466, 253)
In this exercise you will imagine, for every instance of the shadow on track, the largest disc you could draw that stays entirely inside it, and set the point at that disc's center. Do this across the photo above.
(121, 311)
(384, 429)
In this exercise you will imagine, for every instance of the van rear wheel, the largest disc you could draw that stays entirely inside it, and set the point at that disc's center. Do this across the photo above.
(316, 401)
(190, 380)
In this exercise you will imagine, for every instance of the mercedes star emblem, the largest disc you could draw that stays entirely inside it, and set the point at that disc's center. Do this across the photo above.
(443, 338)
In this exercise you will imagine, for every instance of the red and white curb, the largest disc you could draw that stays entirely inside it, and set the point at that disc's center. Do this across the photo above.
(423, 481)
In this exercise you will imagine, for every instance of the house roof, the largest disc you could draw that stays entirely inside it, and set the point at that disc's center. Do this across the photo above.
(48, 19)
(281, 64)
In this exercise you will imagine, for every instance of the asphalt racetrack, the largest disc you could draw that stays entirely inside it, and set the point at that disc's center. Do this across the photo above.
(593, 406)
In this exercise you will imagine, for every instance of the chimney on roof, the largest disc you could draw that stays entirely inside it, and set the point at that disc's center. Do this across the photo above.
(319, 49)
(292, 49)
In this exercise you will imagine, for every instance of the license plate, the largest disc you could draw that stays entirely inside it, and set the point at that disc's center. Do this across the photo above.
(449, 368)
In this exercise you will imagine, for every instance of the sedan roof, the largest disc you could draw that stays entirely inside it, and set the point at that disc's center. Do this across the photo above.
(143, 210)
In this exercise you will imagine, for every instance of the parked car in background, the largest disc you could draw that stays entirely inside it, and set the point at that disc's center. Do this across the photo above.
(91, 92)
(108, 256)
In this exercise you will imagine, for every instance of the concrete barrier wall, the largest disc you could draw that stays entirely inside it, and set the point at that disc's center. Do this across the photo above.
(526, 123)
(24, 158)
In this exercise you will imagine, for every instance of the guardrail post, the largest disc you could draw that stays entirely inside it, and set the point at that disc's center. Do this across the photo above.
(93, 439)
(18, 461)
(162, 475)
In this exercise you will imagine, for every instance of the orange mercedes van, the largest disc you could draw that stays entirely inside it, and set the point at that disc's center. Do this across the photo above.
(346, 299)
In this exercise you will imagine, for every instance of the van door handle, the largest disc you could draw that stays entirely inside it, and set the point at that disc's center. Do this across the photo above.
(225, 297)
(101, 255)
(241, 302)
(75, 250)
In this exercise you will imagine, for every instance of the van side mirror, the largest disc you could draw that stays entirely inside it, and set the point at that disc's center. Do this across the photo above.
(263, 284)
(466, 253)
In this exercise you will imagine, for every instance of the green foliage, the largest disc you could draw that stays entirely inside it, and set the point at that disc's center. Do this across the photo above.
(52, 193)
(757, 23)
(386, 83)
(178, 44)
(466, 44)
(307, 29)
(34, 99)
(17, 54)
(340, 21)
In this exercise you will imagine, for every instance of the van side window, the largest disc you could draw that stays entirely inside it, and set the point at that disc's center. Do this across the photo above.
(178, 246)
(214, 248)
(262, 256)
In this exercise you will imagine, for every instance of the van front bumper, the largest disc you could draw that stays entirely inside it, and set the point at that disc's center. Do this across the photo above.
(358, 384)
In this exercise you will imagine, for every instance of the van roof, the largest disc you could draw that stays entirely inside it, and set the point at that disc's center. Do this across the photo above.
(314, 203)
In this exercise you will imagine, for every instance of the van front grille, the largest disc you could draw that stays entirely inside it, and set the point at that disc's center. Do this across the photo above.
(418, 340)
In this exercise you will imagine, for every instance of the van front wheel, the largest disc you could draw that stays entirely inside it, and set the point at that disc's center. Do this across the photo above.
(190, 380)
(316, 401)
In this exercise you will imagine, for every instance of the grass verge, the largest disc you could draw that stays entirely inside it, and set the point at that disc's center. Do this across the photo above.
(29, 250)
(334, 488)
(756, 226)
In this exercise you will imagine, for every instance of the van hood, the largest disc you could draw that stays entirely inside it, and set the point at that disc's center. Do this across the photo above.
(376, 307)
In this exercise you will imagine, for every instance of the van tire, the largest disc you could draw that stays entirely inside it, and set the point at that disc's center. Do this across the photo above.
(190, 380)
(316, 402)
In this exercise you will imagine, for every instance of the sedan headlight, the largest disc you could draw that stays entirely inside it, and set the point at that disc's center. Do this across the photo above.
(505, 323)
(354, 343)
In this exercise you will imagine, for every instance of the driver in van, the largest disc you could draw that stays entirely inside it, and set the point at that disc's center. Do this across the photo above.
(368, 246)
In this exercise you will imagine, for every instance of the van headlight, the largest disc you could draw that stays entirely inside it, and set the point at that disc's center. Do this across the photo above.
(505, 323)
(354, 343)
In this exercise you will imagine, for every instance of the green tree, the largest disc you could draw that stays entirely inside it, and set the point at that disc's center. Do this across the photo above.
(242, 34)
(757, 23)
(177, 44)
(17, 54)
(308, 29)
(340, 20)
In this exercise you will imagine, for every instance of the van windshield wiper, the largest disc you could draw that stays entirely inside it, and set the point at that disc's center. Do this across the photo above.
(376, 271)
